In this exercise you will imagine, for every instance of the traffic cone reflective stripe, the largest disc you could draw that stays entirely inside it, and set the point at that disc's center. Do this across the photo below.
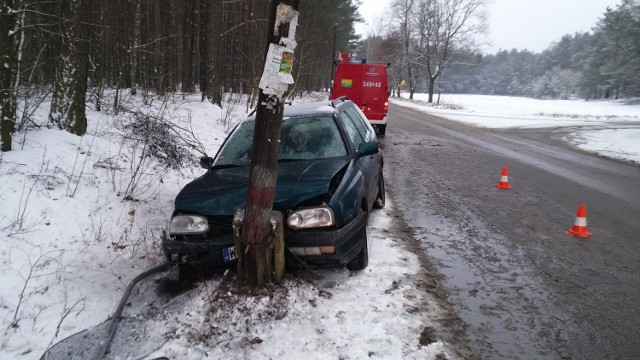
(579, 227)
(504, 179)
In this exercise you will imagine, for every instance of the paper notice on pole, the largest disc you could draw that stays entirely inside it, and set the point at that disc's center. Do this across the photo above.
(284, 14)
(276, 76)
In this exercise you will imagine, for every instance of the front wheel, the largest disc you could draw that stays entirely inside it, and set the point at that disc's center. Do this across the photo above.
(361, 260)
(381, 197)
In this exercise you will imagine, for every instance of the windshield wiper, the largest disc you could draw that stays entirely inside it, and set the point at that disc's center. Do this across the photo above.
(226, 166)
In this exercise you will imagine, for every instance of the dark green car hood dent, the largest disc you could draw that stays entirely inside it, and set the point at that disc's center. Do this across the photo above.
(222, 191)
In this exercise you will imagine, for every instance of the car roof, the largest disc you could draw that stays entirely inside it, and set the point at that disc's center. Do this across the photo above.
(298, 109)
(312, 108)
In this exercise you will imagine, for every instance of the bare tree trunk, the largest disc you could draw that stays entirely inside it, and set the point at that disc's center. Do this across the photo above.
(70, 88)
(9, 60)
(446, 28)
(172, 32)
(135, 44)
(432, 84)
(97, 55)
(217, 53)
(406, 7)
(204, 48)
(160, 66)
(187, 46)
(210, 43)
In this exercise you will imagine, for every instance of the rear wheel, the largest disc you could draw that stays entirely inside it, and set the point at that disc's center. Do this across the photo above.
(382, 129)
(380, 198)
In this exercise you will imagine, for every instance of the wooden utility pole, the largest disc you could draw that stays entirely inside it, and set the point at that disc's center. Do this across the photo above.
(259, 249)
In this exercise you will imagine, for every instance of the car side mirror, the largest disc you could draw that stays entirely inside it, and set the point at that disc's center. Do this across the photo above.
(367, 148)
(206, 162)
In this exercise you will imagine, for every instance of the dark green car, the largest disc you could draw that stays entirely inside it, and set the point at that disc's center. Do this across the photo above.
(329, 179)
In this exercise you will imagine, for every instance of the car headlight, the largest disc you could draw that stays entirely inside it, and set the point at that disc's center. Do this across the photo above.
(188, 224)
(311, 218)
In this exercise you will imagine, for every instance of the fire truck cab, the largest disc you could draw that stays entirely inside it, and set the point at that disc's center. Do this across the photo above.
(367, 85)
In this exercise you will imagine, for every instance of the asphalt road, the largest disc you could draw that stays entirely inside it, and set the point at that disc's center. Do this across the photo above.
(524, 287)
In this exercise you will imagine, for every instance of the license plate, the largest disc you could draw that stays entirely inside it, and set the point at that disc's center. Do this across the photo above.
(229, 254)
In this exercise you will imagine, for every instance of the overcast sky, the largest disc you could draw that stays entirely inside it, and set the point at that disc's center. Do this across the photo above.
(521, 24)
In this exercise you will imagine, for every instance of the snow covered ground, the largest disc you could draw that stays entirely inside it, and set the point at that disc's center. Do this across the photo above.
(608, 127)
(81, 216)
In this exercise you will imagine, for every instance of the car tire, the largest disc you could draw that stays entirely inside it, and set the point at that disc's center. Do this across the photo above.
(361, 260)
(382, 129)
(381, 197)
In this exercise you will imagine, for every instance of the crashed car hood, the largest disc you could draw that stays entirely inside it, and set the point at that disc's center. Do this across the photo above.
(222, 191)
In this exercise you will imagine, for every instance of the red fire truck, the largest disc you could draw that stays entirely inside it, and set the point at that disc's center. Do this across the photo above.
(366, 84)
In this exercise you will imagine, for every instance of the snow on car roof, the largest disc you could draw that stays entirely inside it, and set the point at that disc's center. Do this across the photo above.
(305, 109)
(308, 108)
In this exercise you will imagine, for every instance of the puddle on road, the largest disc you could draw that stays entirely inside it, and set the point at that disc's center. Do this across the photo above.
(489, 287)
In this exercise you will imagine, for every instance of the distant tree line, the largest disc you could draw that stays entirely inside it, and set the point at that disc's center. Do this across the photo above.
(72, 50)
(421, 39)
(601, 64)
(432, 47)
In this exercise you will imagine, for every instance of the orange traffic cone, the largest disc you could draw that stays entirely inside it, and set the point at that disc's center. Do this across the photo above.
(579, 227)
(504, 180)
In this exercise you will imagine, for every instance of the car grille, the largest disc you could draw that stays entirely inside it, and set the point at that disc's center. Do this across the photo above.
(220, 222)
(220, 228)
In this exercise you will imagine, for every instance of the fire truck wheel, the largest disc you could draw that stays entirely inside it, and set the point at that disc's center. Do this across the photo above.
(382, 129)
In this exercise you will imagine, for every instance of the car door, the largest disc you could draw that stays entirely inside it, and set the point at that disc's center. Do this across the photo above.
(356, 138)
(368, 164)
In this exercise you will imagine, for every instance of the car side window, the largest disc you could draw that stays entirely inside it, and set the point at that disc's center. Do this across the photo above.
(351, 129)
(359, 122)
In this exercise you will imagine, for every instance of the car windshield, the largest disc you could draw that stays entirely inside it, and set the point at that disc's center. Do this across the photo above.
(301, 138)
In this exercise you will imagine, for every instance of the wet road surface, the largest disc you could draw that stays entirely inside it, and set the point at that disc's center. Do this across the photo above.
(524, 287)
